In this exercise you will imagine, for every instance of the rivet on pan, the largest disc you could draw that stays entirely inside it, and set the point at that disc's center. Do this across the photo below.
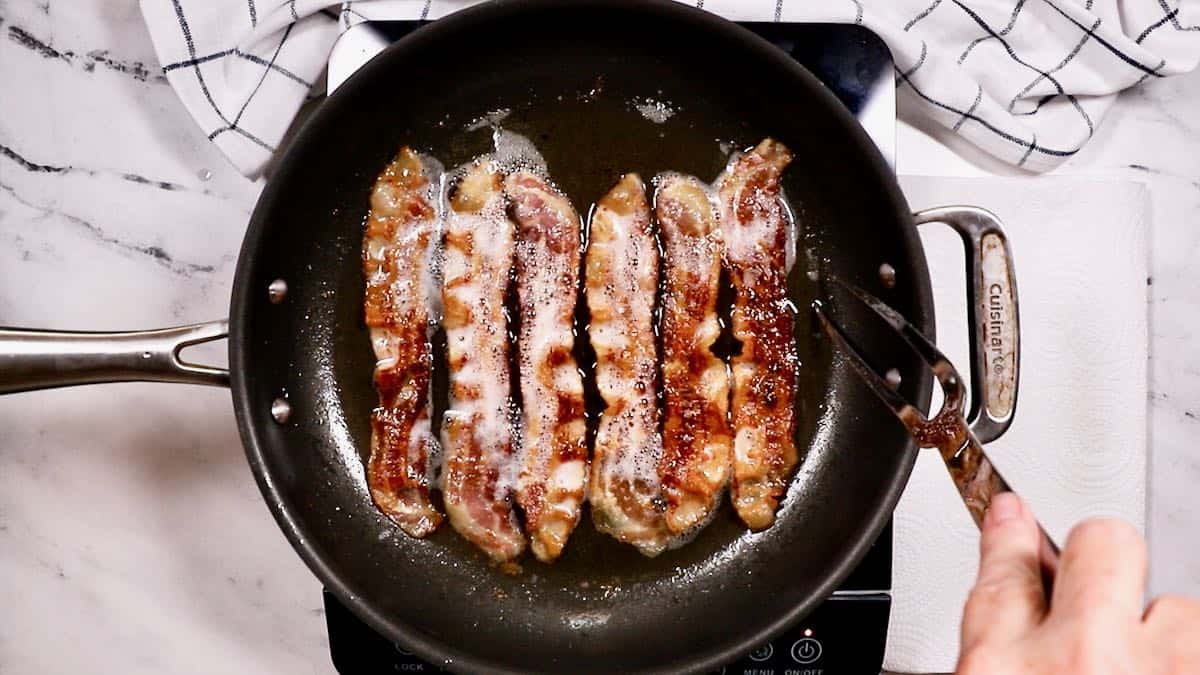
(277, 291)
(887, 274)
(892, 377)
(281, 410)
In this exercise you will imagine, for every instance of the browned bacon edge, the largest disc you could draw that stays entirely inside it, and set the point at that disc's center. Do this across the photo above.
(477, 432)
(697, 443)
(400, 232)
(755, 225)
(554, 470)
(621, 278)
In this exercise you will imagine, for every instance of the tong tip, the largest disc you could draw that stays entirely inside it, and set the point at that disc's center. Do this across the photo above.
(882, 389)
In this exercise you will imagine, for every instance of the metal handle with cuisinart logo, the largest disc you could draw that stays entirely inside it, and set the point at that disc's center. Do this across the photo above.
(995, 336)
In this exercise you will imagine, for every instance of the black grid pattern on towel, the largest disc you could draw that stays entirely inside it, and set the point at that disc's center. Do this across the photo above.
(194, 64)
(990, 33)
(266, 71)
(269, 66)
(1170, 16)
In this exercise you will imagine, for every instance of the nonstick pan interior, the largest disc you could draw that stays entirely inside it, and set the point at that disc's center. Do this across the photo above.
(571, 75)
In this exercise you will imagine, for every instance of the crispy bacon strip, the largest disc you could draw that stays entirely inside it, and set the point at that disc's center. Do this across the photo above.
(477, 431)
(397, 255)
(621, 278)
(697, 444)
(754, 222)
(554, 457)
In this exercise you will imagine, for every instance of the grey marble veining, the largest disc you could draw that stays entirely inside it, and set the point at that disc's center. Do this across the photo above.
(132, 535)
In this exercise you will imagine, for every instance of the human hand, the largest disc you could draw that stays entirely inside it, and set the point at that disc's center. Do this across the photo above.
(1094, 622)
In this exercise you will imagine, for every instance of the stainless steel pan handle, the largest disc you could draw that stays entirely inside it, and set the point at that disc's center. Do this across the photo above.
(995, 335)
(42, 359)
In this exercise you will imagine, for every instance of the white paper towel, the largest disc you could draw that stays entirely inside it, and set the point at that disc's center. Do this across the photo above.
(1078, 444)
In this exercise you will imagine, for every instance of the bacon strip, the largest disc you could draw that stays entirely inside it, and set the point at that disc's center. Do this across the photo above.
(554, 457)
(697, 444)
(397, 257)
(754, 222)
(477, 431)
(621, 278)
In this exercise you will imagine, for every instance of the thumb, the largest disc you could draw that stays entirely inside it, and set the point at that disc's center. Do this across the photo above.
(1008, 598)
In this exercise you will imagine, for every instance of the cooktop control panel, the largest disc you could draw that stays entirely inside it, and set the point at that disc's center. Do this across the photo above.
(844, 636)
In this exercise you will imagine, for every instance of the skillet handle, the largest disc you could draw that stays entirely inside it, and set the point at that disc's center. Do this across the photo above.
(995, 364)
(995, 335)
(42, 359)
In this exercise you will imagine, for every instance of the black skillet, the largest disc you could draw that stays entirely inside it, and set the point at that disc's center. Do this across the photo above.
(300, 362)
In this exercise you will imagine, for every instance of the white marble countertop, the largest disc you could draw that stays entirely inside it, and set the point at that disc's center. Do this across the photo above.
(132, 535)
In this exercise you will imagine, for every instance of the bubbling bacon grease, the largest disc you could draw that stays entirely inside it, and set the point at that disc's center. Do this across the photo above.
(397, 256)
(620, 281)
(477, 432)
(554, 461)
(755, 224)
(697, 444)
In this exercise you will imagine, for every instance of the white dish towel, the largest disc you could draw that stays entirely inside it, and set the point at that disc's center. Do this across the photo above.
(1026, 80)
(1078, 444)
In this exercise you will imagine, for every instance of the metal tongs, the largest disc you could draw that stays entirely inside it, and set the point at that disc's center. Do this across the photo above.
(948, 431)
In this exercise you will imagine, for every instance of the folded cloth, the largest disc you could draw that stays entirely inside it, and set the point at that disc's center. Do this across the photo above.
(1079, 441)
(1026, 80)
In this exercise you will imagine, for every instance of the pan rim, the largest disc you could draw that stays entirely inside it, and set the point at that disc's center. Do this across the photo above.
(243, 298)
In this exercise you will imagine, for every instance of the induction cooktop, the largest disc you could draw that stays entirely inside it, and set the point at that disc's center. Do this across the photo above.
(846, 633)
